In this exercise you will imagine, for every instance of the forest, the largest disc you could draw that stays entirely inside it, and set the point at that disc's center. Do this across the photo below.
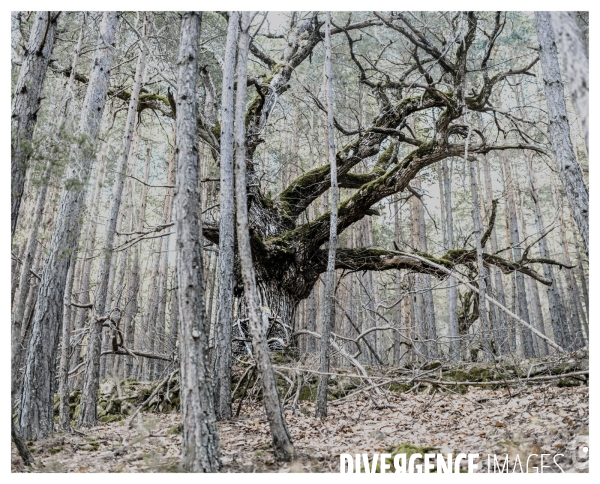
(256, 241)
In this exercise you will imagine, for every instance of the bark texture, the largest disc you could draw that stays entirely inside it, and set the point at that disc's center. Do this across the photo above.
(26, 104)
(282, 442)
(37, 416)
(568, 169)
(222, 351)
(327, 314)
(574, 52)
(200, 440)
(89, 395)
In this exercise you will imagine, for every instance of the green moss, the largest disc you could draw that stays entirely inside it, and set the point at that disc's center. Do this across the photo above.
(266, 201)
(308, 393)
(384, 159)
(216, 130)
(111, 418)
(177, 429)
(481, 374)
(145, 98)
(399, 387)
(91, 447)
(55, 450)
(432, 365)
(568, 382)
(255, 105)
(277, 68)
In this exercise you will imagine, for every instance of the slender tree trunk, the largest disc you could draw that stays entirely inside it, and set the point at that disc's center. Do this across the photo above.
(36, 419)
(26, 104)
(501, 337)
(534, 297)
(89, 394)
(37, 416)
(569, 170)
(481, 270)
(448, 223)
(64, 419)
(282, 442)
(401, 334)
(223, 330)
(200, 439)
(90, 242)
(571, 45)
(515, 241)
(131, 309)
(431, 334)
(161, 304)
(418, 287)
(327, 313)
(28, 256)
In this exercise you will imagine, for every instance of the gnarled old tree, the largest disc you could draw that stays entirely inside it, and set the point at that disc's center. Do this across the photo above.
(441, 77)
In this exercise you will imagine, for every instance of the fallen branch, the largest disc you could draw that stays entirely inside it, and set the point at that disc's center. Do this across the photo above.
(491, 300)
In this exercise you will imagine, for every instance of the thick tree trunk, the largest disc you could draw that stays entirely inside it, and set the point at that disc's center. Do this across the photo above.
(37, 416)
(582, 276)
(24, 281)
(200, 440)
(569, 170)
(222, 351)
(571, 45)
(327, 312)
(26, 104)
(579, 329)
(89, 394)
(282, 442)
(30, 250)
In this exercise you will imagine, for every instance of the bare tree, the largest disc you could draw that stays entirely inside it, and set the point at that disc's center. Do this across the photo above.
(327, 314)
(282, 442)
(37, 416)
(200, 441)
(569, 170)
(26, 104)
(89, 395)
(571, 45)
(223, 323)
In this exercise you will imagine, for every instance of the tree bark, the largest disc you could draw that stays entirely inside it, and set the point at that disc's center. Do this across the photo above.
(282, 442)
(37, 416)
(481, 270)
(89, 394)
(327, 313)
(200, 440)
(501, 337)
(26, 104)
(569, 170)
(572, 47)
(223, 323)
(64, 419)
(515, 242)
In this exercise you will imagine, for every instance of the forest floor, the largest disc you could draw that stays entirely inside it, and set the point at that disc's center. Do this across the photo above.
(544, 419)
